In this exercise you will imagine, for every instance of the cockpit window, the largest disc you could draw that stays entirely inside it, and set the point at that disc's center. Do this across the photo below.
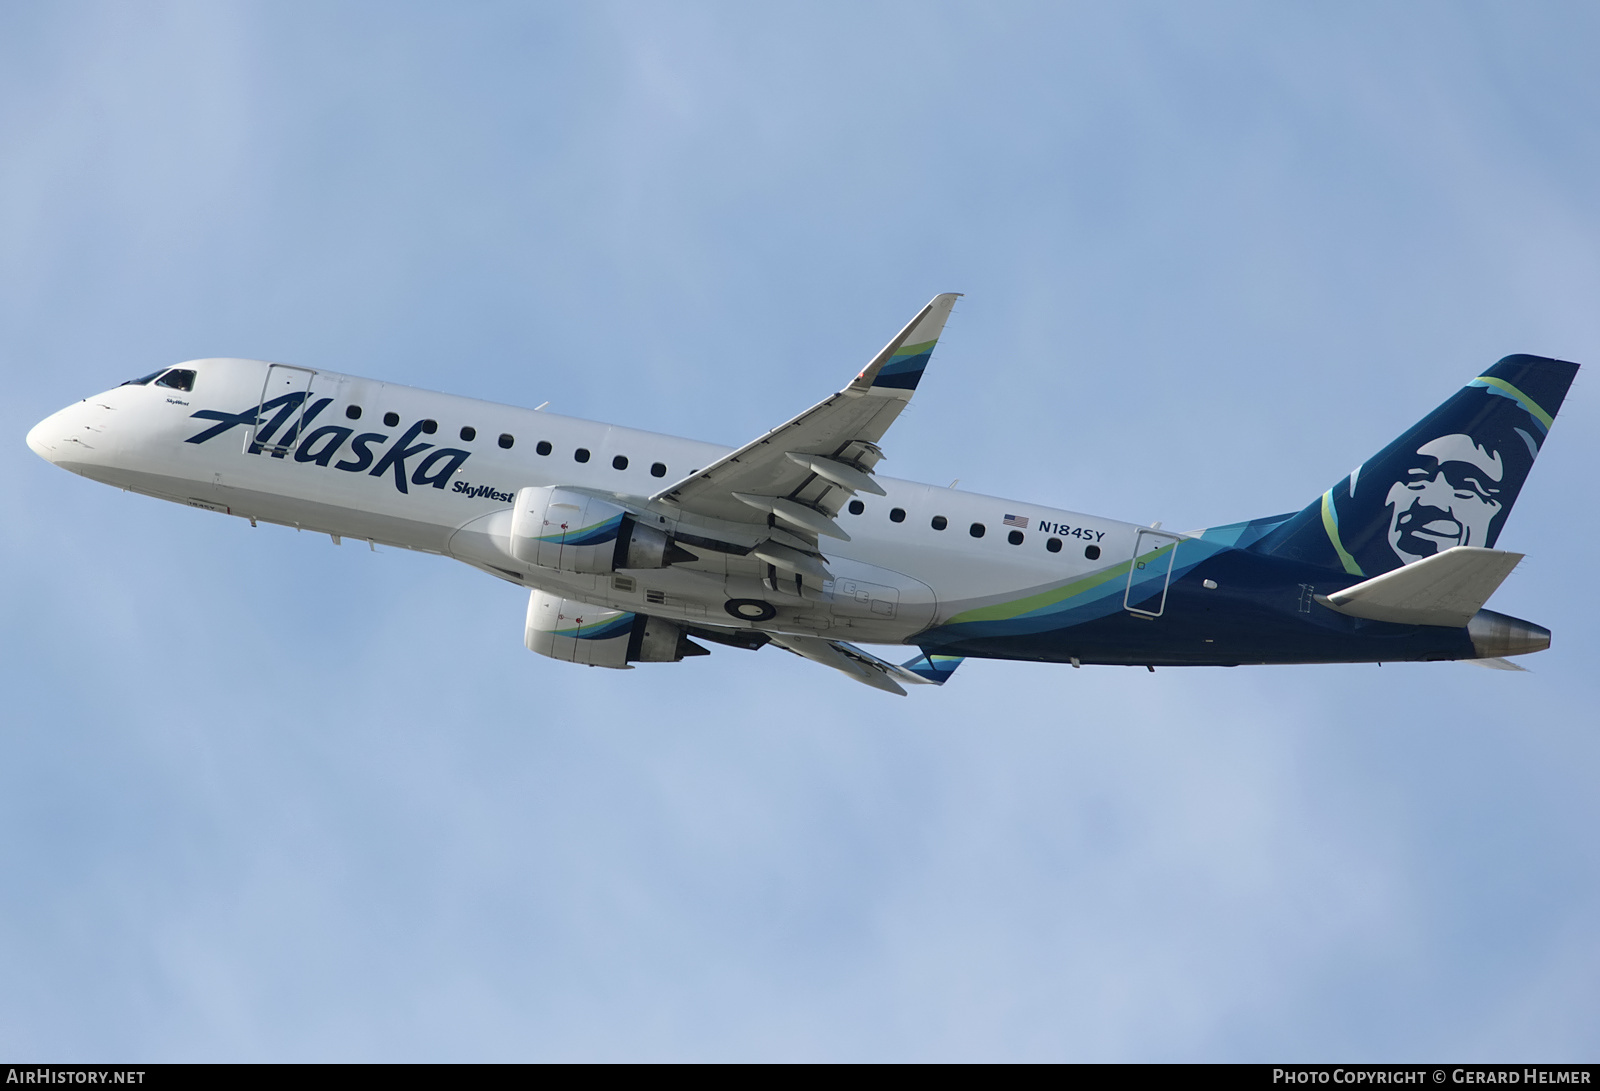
(144, 381)
(178, 379)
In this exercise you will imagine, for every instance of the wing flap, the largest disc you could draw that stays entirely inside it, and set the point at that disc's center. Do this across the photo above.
(839, 473)
(792, 560)
(864, 667)
(867, 668)
(1445, 589)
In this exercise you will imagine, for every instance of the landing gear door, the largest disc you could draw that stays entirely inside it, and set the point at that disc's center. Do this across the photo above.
(1154, 552)
(281, 412)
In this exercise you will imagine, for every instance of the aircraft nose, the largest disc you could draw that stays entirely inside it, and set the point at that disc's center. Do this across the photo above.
(77, 438)
(45, 437)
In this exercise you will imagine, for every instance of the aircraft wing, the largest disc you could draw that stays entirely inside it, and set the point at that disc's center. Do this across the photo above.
(797, 476)
(866, 668)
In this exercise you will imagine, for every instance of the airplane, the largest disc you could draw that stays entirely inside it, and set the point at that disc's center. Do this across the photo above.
(637, 547)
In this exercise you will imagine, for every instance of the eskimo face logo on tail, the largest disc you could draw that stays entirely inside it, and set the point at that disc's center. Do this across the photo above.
(1449, 496)
(321, 445)
(1447, 482)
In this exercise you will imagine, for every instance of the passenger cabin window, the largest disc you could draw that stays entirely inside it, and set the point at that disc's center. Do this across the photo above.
(507, 439)
(1053, 545)
(543, 447)
(976, 530)
(143, 380)
(897, 515)
(658, 469)
(857, 507)
(940, 522)
(391, 419)
(468, 433)
(352, 412)
(1015, 537)
(581, 454)
(620, 462)
(178, 379)
(430, 426)
(1092, 552)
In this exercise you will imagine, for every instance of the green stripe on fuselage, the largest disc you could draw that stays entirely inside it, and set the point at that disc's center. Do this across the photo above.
(1005, 611)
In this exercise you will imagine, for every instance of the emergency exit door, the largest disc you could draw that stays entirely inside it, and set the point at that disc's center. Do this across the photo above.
(281, 412)
(1150, 573)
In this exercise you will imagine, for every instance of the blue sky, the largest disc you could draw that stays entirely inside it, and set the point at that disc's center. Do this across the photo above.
(266, 798)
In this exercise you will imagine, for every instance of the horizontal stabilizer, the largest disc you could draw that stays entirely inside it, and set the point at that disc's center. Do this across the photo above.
(1445, 589)
(1495, 664)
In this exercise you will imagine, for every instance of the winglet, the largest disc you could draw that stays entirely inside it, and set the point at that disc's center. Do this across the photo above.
(936, 669)
(899, 366)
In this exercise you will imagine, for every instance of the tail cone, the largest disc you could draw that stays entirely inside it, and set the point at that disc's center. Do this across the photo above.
(1496, 635)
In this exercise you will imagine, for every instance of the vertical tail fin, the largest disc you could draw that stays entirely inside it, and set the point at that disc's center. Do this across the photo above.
(1450, 480)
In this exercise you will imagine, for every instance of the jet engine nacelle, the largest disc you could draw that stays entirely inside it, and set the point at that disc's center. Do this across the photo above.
(597, 636)
(572, 531)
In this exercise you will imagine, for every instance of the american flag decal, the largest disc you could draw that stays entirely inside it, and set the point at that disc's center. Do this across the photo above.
(1017, 521)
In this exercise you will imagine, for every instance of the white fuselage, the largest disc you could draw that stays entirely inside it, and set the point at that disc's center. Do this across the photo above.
(895, 577)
